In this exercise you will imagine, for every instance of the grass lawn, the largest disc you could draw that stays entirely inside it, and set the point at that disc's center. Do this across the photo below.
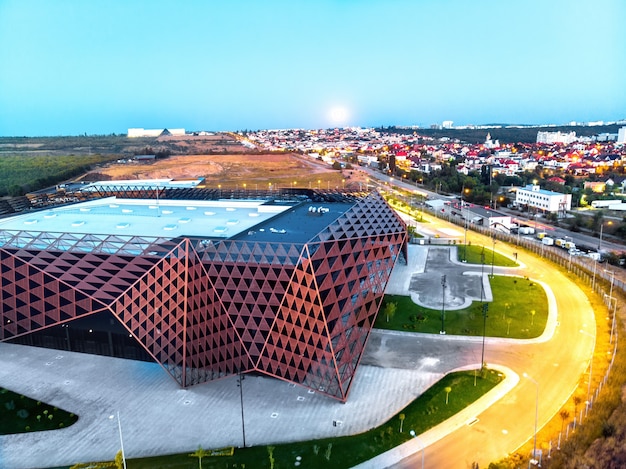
(474, 256)
(509, 315)
(21, 414)
(425, 412)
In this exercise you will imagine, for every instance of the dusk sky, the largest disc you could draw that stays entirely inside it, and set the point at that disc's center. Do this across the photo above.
(70, 67)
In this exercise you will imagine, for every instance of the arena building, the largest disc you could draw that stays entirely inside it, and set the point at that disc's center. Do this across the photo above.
(208, 284)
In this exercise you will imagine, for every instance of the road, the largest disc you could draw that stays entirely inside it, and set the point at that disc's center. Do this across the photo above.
(555, 362)
(607, 243)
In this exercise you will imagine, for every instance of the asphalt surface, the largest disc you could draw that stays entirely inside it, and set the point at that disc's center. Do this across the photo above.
(553, 363)
(158, 417)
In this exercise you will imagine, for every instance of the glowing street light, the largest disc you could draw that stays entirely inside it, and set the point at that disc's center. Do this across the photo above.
(601, 229)
(412, 433)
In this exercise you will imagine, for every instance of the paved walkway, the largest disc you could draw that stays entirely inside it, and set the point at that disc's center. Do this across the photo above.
(158, 417)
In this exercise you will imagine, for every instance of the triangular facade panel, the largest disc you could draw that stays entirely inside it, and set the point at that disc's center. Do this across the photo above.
(208, 308)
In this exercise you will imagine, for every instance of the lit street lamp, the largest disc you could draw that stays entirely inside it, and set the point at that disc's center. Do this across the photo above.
(412, 433)
(119, 427)
(601, 229)
(534, 461)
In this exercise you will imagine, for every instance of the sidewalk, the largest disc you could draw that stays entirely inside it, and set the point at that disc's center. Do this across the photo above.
(158, 417)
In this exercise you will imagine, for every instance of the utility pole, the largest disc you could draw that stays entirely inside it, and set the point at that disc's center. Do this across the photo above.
(443, 304)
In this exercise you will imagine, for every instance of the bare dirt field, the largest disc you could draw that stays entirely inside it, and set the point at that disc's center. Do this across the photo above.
(252, 171)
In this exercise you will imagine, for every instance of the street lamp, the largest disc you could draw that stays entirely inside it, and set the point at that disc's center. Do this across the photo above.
(493, 251)
(485, 306)
(601, 229)
(485, 310)
(533, 460)
(593, 336)
(443, 303)
(119, 427)
(240, 379)
(611, 299)
(412, 433)
(463, 192)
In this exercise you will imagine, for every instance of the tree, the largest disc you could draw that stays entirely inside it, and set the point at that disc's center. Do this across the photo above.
(577, 401)
(200, 453)
(447, 389)
(390, 310)
(401, 417)
(119, 460)
(564, 414)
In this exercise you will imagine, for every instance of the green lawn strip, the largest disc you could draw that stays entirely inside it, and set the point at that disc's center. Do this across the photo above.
(509, 315)
(416, 214)
(425, 412)
(21, 414)
(474, 256)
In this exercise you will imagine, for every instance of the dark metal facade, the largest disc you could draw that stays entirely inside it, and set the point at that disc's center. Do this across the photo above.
(205, 310)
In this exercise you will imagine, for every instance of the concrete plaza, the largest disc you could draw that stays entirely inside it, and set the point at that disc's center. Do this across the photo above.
(158, 417)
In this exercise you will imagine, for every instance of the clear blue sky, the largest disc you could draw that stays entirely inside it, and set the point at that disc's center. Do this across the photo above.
(70, 67)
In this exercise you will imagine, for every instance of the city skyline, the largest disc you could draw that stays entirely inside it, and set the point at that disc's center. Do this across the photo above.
(72, 68)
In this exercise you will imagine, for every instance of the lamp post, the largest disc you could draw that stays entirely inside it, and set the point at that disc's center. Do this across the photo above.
(485, 310)
(601, 230)
(119, 427)
(533, 460)
(240, 379)
(412, 433)
(611, 299)
(493, 251)
(443, 303)
(485, 306)
(463, 192)
(593, 336)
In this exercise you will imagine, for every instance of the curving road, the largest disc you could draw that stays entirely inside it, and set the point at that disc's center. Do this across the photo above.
(553, 362)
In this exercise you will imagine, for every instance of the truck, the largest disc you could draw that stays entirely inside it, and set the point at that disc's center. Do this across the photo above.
(526, 230)
(547, 240)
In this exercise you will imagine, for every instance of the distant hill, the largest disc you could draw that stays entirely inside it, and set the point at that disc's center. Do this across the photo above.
(504, 134)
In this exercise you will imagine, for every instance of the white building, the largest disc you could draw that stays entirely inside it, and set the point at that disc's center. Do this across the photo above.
(556, 137)
(621, 135)
(542, 200)
(140, 132)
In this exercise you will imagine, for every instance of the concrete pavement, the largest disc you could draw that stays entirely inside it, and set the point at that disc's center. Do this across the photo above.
(157, 417)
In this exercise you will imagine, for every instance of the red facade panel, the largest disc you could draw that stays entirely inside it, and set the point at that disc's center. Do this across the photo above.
(298, 312)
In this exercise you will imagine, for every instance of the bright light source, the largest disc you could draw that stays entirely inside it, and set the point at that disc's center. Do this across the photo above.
(338, 115)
